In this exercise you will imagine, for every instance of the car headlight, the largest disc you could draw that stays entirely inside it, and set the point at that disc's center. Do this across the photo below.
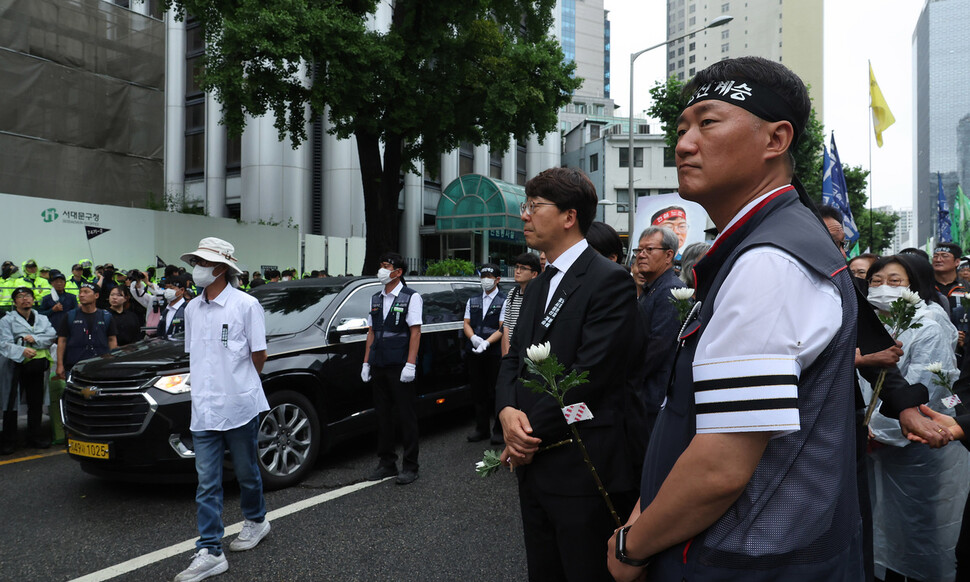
(177, 384)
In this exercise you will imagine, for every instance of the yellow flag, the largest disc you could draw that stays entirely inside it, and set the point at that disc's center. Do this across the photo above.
(882, 117)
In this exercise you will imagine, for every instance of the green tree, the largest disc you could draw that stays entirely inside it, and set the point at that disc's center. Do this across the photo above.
(444, 73)
(669, 101)
(876, 228)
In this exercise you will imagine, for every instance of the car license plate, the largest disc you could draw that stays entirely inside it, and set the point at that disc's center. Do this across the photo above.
(86, 449)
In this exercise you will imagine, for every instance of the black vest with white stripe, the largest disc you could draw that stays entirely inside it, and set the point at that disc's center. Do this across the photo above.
(392, 335)
(485, 324)
(798, 517)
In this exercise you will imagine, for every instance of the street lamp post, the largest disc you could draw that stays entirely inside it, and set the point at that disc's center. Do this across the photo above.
(631, 207)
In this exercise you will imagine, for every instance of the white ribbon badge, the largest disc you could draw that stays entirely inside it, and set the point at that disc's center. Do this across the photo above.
(577, 412)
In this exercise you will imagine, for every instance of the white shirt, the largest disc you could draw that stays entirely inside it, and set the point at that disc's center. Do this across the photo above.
(772, 317)
(487, 299)
(415, 306)
(142, 294)
(562, 263)
(170, 313)
(220, 338)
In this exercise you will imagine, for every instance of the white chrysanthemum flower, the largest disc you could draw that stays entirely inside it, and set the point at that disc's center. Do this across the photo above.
(479, 465)
(539, 352)
(935, 367)
(682, 293)
(910, 296)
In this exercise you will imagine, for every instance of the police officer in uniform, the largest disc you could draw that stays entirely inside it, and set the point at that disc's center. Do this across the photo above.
(32, 279)
(483, 327)
(390, 356)
(8, 282)
(80, 273)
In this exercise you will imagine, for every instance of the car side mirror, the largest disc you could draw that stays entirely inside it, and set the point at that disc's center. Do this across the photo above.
(352, 329)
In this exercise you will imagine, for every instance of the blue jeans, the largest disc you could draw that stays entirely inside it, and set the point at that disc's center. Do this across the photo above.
(210, 446)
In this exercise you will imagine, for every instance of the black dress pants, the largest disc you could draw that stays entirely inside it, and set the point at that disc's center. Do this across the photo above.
(28, 379)
(394, 399)
(482, 376)
(566, 536)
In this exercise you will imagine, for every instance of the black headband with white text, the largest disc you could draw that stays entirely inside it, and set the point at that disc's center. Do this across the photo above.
(750, 96)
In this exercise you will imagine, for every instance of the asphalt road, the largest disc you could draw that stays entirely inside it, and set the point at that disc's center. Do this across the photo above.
(58, 523)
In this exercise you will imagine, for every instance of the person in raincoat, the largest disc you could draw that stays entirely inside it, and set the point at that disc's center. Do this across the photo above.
(917, 492)
(25, 339)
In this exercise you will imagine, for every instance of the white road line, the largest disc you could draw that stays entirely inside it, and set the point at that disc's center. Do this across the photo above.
(188, 545)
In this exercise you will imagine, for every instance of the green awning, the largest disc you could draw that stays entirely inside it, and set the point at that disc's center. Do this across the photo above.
(475, 203)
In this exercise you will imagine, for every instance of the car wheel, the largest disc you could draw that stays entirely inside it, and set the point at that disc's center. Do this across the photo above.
(288, 440)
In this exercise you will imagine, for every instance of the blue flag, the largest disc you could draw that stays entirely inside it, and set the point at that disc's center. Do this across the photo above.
(834, 191)
(943, 223)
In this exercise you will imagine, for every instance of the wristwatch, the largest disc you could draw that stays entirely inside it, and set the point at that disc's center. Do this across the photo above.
(621, 550)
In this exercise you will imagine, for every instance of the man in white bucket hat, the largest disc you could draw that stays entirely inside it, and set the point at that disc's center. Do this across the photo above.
(225, 336)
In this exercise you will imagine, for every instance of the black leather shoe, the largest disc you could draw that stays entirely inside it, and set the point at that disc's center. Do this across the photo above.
(476, 437)
(406, 477)
(382, 472)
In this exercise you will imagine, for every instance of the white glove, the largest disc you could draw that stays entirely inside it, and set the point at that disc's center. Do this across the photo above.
(407, 374)
(476, 341)
(482, 347)
(365, 372)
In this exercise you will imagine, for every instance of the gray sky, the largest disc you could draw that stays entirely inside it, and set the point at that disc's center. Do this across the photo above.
(855, 31)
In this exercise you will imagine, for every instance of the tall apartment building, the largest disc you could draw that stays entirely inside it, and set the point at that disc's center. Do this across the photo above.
(585, 38)
(901, 234)
(787, 31)
(941, 108)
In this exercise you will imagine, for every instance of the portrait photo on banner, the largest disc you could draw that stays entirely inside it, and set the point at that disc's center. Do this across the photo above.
(688, 220)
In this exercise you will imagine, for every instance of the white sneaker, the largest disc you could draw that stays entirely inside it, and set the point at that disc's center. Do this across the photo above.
(250, 535)
(203, 566)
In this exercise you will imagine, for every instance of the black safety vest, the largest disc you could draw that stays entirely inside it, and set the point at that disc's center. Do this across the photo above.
(484, 325)
(84, 343)
(819, 547)
(391, 334)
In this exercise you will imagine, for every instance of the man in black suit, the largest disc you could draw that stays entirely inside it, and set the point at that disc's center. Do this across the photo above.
(583, 305)
(655, 261)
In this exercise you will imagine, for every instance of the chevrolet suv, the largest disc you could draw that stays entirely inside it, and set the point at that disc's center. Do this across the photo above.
(127, 413)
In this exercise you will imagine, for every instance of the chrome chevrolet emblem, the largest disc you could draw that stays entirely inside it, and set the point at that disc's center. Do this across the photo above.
(89, 392)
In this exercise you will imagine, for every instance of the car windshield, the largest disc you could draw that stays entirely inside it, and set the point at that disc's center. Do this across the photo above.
(293, 309)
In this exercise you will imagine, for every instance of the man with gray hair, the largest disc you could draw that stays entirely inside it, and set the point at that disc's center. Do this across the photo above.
(658, 322)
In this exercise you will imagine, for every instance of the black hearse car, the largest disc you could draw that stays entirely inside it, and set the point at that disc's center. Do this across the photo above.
(127, 413)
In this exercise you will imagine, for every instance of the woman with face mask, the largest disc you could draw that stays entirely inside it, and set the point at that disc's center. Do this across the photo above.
(917, 491)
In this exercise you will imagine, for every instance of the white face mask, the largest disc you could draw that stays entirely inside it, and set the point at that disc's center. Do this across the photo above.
(203, 276)
(488, 283)
(384, 276)
(882, 297)
(169, 295)
(287, 278)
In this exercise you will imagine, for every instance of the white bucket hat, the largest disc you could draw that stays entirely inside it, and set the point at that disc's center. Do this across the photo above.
(215, 250)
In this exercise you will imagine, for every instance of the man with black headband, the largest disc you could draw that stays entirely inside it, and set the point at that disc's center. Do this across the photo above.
(86, 332)
(750, 472)
(946, 259)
